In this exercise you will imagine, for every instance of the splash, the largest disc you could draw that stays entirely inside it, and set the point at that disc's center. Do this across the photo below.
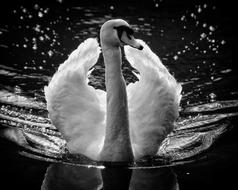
(26, 123)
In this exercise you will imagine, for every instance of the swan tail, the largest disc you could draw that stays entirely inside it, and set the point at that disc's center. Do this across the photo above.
(75, 108)
(153, 101)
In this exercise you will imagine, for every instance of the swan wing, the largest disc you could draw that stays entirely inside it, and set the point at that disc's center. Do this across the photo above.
(76, 109)
(153, 101)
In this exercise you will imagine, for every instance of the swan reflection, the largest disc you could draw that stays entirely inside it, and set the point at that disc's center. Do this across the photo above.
(63, 176)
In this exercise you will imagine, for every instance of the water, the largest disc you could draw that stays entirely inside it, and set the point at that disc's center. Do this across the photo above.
(194, 40)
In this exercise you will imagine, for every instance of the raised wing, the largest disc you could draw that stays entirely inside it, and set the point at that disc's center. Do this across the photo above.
(153, 101)
(76, 109)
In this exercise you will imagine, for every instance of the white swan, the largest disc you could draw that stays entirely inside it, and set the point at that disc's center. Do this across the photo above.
(125, 123)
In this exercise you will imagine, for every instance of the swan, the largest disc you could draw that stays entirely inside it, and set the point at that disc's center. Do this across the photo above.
(124, 123)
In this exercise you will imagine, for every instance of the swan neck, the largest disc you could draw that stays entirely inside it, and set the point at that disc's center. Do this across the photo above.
(117, 145)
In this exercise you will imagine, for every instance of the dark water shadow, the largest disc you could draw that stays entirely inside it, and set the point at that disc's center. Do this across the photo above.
(63, 176)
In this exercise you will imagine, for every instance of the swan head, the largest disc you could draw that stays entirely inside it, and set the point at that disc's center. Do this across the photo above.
(116, 33)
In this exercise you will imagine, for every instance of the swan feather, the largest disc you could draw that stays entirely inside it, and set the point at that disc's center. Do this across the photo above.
(153, 101)
(75, 108)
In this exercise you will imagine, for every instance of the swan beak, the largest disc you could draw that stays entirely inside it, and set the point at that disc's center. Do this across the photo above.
(131, 41)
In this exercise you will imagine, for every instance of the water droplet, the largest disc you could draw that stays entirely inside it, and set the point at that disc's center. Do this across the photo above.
(40, 14)
(40, 67)
(37, 28)
(34, 47)
(111, 7)
(50, 53)
(203, 35)
(156, 5)
(205, 6)
(24, 10)
(204, 25)
(41, 38)
(24, 45)
(211, 28)
(193, 15)
(199, 9)
(182, 18)
(36, 6)
(223, 42)
(212, 95)
(175, 57)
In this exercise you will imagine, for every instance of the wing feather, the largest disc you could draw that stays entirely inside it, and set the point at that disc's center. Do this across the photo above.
(153, 101)
(76, 109)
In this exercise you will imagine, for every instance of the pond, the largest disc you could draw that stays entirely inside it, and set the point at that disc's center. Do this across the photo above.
(194, 40)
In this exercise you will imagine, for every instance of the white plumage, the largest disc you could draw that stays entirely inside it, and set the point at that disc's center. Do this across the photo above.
(79, 111)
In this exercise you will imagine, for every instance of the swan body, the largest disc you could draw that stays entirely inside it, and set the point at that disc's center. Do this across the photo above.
(125, 122)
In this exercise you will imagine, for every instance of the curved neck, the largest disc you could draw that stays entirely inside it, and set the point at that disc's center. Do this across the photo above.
(117, 145)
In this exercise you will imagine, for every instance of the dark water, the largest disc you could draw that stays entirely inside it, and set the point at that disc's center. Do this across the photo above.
(194, 39)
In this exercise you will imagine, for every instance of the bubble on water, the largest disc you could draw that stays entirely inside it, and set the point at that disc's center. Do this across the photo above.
(204, 25)
(156, 5)
(111, 7)
(205, 51)
(44, 61)
(24, 45)
(14, 11)
(40, 67)
(29, 16)
(205, 6)
(21, 17)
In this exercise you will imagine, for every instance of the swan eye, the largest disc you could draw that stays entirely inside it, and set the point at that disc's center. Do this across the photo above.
(120, 29)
